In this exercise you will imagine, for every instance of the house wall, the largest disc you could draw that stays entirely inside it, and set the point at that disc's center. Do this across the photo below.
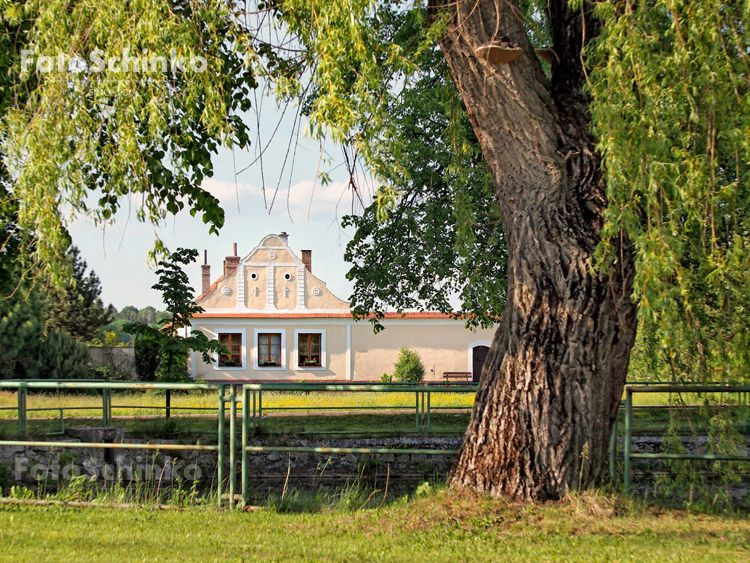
(443, 344)
(325, 299)
(218, 299)
(253, 301)
(285, 299)
(335, 352)
(283, 255)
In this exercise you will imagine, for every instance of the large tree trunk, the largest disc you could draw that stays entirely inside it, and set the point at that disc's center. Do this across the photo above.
(554, 376)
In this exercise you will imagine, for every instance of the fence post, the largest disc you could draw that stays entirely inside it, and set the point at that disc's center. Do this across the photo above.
(169, 403)
(232, 442)
(428, 411)
(220, 461)
(422, 414)
(245, 432)
(613, 454)
(628, 437)
(260, 407)
(104, 407)
(21, 397)
(416, 409)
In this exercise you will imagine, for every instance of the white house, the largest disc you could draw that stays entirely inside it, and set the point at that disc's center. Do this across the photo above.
(280, 322)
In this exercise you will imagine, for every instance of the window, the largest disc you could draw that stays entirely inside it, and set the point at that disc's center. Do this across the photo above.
(269, 349)
(308, 347)
(233, 343)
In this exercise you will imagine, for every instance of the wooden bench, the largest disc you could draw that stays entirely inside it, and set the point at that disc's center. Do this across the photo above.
(449, 376)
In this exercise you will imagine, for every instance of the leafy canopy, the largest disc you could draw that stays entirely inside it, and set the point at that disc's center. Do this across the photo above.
(442, 242)
(85, 142)
(669, 81)
(671, 109)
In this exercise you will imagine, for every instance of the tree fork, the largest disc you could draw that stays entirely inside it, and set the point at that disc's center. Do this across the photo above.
(554, 376)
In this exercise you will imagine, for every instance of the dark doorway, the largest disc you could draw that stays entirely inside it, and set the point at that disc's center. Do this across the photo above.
(479, 355)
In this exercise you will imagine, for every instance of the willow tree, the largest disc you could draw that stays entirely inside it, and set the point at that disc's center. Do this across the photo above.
(555, 372)
(85, 132)
(554, 376)
(619, 171)
(620, 175)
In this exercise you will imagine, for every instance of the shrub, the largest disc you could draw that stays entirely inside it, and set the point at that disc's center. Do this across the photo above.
(63, 357)
(385, 378)
(147, 357)
(409, 367)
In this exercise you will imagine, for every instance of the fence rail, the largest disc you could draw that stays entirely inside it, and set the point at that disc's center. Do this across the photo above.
(422, 406)
(250, 398)
(629, 455)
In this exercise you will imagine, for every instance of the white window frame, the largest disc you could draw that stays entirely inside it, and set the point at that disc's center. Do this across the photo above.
(323, 353)
(258, 331)
(243, 333)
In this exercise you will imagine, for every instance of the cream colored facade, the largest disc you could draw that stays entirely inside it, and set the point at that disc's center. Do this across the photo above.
(271, 292)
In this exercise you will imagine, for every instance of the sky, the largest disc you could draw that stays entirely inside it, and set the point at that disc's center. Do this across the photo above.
(118, 253)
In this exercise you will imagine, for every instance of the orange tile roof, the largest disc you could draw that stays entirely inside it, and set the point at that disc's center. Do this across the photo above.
(212, 288)
(417, 315)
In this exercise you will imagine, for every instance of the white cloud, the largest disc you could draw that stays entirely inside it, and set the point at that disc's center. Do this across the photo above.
(332, 200)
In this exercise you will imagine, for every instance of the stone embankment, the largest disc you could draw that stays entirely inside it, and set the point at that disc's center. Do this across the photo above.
(32, 465)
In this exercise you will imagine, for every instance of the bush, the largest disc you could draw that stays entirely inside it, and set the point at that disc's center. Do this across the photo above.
(385, 378)
(147, 357)
(63, 357)
(409, 367)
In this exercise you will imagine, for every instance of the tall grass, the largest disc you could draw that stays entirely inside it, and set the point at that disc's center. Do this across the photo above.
(147, 490)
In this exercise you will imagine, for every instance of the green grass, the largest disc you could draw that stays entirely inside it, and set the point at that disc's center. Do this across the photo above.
(140, 420)
(443, 527)
(151, 403)
(142, 403)
(204, 428)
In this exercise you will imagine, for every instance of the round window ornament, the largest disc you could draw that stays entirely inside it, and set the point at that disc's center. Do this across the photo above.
(315, 291)
(287, 276)
(272, 255)
(225, 290)
(254, 276)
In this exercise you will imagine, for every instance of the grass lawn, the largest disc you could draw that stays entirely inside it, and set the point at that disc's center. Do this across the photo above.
(143, 403)
(150, 403)
(204, 428)
(443, 527)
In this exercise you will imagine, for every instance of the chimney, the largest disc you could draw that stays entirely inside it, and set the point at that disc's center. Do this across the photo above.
(307, 259)
(284, 238)
(231, 262)
(205, 274)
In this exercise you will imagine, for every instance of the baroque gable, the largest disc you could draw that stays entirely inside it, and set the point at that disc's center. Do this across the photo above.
(271, 279)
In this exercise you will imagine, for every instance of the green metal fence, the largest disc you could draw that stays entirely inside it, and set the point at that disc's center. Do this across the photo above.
(629, 455)
(250, 397)
(251, 418)
(422, 399)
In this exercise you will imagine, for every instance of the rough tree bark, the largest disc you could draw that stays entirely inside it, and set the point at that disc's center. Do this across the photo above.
(555, 373)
